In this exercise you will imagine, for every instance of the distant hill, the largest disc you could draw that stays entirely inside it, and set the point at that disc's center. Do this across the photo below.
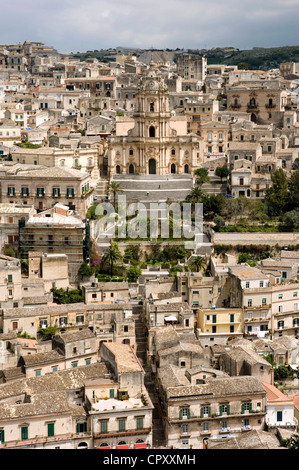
(256, 58)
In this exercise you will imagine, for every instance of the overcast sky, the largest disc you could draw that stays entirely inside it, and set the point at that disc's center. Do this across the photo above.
(75, 25)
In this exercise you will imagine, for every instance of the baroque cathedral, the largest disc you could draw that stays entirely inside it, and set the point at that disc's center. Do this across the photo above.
(154, 140)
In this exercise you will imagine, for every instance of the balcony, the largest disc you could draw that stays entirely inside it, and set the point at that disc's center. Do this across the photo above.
(129, 432)
(235, 106)
(270, 106)
(252, 106)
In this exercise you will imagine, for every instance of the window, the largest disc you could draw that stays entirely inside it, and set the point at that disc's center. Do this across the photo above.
(121, 425)
(54, 369)
(224, 409)
(87, 362)
(25, 191)
(261, 283)
(280, 296)
(50, 429)
(43, 323)
(280, 308)
(185, 429)
(126, 328)
(70, 192)
(205, 411)
(104, 426)
(40, 192)
(56, 192)
(247, 285)
(74, 364)
(24, 432)
(232, 318)
(249, 303)
(294, 294)
(247, 406)
(38, 373)
(10, 191)
(214, 318)
(81, 427)
(205, 427)
(214, 329)
(264, 301)
(279, 416)
(184, 413)
(2, 437)
(139, 423)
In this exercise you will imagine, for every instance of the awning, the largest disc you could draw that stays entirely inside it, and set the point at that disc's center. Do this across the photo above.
(170, 318)
(104, 447)
(140, 445)
(124, 446)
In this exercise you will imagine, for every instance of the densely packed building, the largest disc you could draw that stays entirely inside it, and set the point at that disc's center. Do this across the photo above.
(89, 356)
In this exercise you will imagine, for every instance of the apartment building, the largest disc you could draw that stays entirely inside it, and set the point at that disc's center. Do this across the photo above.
(215, 408)
(43, 187)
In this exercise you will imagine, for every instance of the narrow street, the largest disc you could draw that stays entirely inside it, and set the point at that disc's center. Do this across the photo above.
(158, 434)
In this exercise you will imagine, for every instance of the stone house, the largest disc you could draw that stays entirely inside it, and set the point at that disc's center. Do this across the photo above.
(217, 408)
(240, 361)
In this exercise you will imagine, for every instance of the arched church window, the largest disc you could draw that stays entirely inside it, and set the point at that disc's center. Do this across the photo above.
(152, 131)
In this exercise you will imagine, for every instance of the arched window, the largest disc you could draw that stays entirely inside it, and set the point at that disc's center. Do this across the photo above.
(186, 168)
(152, 107)
(131, 152)
(252, 101)
(152, 166)
(172, 151)
(131, 169)
(152, 131)
(117, 169)
(172, 168)
(62, 163)
(76, 162)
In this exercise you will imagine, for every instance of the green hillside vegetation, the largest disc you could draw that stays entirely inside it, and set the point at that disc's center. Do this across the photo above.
(256, 58)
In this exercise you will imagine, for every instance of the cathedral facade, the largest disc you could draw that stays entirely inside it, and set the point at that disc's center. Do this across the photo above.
(153, 141)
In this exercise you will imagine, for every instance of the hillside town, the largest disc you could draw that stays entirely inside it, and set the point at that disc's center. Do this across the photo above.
(116, 338)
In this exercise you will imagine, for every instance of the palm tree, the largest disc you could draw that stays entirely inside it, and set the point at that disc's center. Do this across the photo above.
(198, 264)
(114, 188)
(112, 256)
(196, 196)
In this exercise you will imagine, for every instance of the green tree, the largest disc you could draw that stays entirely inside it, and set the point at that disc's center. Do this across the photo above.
(294, 190)
(133, 273)
(85, 270)
(243, 66)
(48, 332)
(291, 442)
(219, 222)
(202, 175)
(132, 254)
(196, 195)
(112, 256)
(290, 220)
(222, 172)
(277, 195)
(198, 264)
(114, 188)
(175, 269)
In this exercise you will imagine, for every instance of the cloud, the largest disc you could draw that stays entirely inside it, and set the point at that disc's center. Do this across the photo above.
(71, 25)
